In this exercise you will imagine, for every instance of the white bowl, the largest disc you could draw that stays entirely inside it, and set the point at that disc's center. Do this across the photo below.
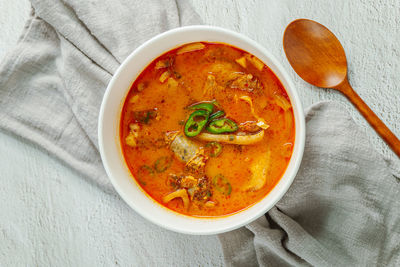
(110, 147)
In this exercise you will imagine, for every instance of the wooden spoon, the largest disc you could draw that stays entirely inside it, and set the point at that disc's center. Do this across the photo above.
(318, 58)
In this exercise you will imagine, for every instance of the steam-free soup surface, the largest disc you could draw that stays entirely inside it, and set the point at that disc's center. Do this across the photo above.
(207, 129)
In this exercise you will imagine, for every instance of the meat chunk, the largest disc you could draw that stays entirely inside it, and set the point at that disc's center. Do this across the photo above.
(188, 181)
(244, 82)
(249, 127)
(202, 191)
(131, 138)
(188, 152)
(197, 163)
(199, 189)
(145, 116)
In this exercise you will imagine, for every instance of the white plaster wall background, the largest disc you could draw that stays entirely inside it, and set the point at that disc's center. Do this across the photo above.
(368, 29)
(51, 216)
(13, 15)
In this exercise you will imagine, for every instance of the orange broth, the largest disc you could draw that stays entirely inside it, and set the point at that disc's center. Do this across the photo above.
(186, 79)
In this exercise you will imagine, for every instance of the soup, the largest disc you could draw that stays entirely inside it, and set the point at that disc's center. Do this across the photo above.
(207, 129)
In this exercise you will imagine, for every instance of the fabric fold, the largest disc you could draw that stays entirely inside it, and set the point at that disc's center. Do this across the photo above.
(341, 210)
(52, 83)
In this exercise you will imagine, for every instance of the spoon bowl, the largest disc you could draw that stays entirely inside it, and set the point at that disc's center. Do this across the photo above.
(318, 58)
(315, 53)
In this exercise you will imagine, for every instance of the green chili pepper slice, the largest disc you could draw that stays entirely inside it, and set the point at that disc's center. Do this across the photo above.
(223, 125)
(162, 164)
(196, 122)
(142, 172)
(216, 103)
(209, 107)
(222, 184)
(214, 148)
(216, 115)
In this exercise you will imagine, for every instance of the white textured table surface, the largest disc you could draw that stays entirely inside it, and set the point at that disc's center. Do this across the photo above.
(54, 217)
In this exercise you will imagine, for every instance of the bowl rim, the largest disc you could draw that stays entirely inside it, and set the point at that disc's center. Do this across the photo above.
(299, 142)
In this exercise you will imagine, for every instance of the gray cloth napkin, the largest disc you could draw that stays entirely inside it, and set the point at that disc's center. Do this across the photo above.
(343, 208)
(52, 83)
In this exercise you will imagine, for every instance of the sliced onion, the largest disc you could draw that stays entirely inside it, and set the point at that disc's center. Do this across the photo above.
(181, 193)
(255, 61)
(190, 48)
(261, 122)
(281, 101)
(232, 139)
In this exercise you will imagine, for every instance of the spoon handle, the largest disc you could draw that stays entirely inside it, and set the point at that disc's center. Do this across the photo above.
(370, 116)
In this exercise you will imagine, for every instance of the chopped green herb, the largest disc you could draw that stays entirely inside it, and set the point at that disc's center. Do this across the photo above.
(216, 115)
(162, 164)
(222, 184)
(209, 107)
(214, 149)
(223, 125)
(144, 171)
